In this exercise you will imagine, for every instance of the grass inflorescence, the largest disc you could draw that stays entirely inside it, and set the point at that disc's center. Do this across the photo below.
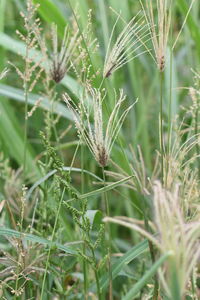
(100, 151)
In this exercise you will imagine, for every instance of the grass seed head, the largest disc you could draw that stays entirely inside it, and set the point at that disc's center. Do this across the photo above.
(89, 109)
(128, 44)
(61, 59)
(159, 28)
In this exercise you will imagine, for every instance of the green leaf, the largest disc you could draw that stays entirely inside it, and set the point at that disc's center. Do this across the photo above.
(12, 137)
(139, 285)
(95, 217)
(124, 261)
(193, 27)
(18, 95)
(36, 239)
(106, 188)
(51, 173)
(51, 14)
(20, 48)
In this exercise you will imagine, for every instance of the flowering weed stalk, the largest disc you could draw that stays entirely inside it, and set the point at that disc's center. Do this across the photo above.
(133, 37)
(99, 139)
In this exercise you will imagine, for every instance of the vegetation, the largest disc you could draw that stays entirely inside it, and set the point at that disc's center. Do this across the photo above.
(99, 149)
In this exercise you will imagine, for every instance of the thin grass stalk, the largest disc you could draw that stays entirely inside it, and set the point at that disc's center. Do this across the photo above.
(25, 111)
(25, 86)
(20, 246)
(197, 136)
(109, 236)
(25, 128)
(85, 267)
(97, 277)
(161, 126)
(82, 36)
(170, 91)
(52, 238)
(151, 250)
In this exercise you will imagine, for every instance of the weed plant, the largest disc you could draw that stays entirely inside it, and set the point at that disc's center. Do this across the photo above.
(99, 149)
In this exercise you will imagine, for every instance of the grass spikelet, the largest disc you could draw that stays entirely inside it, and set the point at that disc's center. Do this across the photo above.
(99, 140)
(4, 73)
(127, 45)
(61, 59)
(176, 234)
(159, 30)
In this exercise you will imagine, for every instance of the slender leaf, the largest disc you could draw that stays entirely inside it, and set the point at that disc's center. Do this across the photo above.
(124, 261)
(106, 188)
(18, 95)
(139, 285)
(36, 239)
(51, 14)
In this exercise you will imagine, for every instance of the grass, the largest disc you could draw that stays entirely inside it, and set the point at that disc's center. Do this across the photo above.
(99, 151)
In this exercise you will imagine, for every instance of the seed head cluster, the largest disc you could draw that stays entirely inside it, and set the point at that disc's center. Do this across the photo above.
(100, 136)
(127, 46)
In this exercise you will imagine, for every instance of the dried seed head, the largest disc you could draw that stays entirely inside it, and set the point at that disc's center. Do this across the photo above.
(4, 73)
(159, 30)
(89, 110)
(102, 156)
(61, 59)
(133, 37)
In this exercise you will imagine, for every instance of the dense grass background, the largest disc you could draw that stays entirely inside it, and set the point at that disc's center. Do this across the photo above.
(139, 79)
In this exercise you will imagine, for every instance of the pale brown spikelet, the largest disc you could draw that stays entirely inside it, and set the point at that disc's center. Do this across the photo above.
(159, 28)
(4, 73)
(61, 59)
(177, 234)
(128, 44)
(90, 123)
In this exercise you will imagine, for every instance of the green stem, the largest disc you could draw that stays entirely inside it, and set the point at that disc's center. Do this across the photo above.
(151, 250)
(96, 276)
(25, 86)
(109, 237)
(170, 90)
(82, 36)
(25, 128)
(84, 244)
(196, 134)
(52, 238)
(161, 127)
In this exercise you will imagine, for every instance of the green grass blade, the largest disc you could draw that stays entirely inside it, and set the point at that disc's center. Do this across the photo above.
(12, 138)
(51, 14)
(139, 285)
(19, 48)
(36, 239)
(191, 23)
(18, 95)
(123, 261)
(106, 188)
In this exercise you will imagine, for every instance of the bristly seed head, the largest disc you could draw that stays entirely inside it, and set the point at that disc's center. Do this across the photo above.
(89, 121)
(61, 60)
(159, 30)
(134, 36)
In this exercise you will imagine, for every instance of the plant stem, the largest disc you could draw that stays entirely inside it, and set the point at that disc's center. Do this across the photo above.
(84, 245)
(196, 134)
(170, 92)
(109, 237)
(161, 127)
(52, 238)
(151, 250)
(96, 277)
(25, 128)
